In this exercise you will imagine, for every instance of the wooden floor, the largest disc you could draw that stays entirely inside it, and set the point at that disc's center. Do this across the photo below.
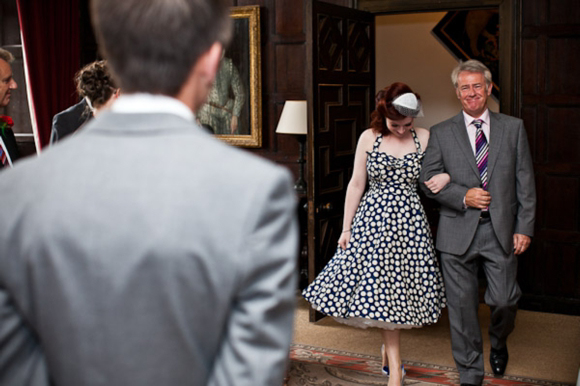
(544, 346)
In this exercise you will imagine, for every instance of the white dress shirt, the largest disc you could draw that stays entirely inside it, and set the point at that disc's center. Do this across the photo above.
(140, 103)
(471, 129)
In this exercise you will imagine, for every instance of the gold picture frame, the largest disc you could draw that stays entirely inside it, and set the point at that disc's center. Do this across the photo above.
(233, 111)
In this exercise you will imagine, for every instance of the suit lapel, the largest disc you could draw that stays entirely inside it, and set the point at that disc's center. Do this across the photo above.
(495, 141)
(460, 132)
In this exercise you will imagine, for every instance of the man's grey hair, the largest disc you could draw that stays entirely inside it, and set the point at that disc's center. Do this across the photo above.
(6, 55)
(151, 46)
(471, 66)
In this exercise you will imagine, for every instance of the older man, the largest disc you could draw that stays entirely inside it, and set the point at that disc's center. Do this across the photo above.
(8, 147)
(142, 250)
(487, 216)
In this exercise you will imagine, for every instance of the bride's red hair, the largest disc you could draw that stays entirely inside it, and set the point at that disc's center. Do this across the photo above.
(384, 106)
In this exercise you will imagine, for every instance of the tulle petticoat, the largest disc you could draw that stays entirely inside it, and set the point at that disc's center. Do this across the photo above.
(365, 323)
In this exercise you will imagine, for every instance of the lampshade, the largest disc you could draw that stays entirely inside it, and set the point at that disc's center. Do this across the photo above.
(293, 119)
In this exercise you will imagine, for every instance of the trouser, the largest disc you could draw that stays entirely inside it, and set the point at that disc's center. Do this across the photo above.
(460, 274)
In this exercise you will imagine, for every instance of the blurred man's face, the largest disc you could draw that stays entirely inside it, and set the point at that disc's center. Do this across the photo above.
(7, 83)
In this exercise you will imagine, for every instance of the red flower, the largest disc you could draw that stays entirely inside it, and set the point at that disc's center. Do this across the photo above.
(6, 121)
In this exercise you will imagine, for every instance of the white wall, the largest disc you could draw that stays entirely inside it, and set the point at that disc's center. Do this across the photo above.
(406, 51)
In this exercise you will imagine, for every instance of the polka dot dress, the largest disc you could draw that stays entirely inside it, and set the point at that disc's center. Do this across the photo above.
(388, 276)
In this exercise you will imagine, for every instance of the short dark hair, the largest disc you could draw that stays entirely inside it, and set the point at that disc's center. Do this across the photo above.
(384, 106)
(95, 82)
(152, 45)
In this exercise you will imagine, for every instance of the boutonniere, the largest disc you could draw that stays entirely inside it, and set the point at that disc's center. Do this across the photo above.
(6, 122)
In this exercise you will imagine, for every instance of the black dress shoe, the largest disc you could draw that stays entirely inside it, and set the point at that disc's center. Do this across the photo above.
(498, 359)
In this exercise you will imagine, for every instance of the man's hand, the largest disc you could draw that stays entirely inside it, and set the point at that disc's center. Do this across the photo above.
(477, 198)
(521, 243)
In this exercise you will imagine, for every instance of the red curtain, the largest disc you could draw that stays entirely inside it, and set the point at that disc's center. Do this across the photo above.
(51, 44)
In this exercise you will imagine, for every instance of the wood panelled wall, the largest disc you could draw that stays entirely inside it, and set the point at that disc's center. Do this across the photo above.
(284, 71)
(550, 274)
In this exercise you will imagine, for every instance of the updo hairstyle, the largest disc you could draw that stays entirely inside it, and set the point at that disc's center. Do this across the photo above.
(96, 83)
(385, 109)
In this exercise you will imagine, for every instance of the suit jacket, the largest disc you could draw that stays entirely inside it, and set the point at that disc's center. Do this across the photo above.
(68, 121)
(143, 251)
(510, 181)
(11, 144)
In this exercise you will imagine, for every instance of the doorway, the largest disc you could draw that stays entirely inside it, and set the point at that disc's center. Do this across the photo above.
(408, 51)
(328, 25)
(510, 16)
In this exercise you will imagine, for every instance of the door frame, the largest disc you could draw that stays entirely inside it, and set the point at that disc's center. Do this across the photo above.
(510, 30)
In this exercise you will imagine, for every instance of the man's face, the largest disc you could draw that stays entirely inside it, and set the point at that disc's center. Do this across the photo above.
(473, 92)
(7, 83)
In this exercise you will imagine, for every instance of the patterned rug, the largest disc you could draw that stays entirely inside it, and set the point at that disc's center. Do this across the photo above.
(317, 366)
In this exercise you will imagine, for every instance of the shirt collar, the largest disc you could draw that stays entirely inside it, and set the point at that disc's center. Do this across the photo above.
(469, 119)
(90, 104)
(140, 103)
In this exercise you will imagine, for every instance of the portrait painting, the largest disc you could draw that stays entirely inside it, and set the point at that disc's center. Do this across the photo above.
(472, 34)
(233, 108)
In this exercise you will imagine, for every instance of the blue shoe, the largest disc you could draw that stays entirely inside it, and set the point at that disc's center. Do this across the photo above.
(386, 372)
(385, 369)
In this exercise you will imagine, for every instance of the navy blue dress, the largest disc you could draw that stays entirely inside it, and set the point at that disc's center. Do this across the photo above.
(388, 276)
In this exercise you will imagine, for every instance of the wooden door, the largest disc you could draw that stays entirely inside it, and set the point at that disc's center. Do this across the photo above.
(342, 65)
(549, 273)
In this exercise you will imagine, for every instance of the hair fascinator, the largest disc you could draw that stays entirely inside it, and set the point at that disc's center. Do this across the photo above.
(408, 105)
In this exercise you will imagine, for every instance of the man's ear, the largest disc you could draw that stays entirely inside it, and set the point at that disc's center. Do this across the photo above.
(201, 77)
(209, 62)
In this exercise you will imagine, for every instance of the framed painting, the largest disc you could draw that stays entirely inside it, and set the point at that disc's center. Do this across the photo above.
(472, 35)
(233, 111)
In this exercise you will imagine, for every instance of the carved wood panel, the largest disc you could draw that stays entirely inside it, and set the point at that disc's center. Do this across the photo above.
(343, 97)
(549, 273)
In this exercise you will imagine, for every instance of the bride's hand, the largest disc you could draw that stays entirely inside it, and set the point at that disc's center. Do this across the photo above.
(438, 182)
(343, 240)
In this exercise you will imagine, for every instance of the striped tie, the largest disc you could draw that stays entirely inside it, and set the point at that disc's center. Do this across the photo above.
(481, 151)
(3, 158)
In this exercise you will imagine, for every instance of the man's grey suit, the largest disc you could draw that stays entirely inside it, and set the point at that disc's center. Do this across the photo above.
(466, 242)
(143, 251)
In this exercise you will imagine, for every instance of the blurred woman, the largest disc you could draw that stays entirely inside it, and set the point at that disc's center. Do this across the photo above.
(97, 88)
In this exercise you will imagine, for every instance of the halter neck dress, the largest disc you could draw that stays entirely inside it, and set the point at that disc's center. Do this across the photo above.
(388, 276)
